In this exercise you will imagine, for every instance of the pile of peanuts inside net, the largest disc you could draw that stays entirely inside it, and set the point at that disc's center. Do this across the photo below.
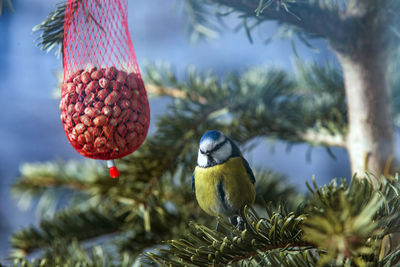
(105, 112)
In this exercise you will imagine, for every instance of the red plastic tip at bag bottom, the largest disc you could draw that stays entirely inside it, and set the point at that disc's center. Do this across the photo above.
(114, 173)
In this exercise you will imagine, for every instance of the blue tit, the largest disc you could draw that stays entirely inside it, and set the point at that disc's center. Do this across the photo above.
(222, 180)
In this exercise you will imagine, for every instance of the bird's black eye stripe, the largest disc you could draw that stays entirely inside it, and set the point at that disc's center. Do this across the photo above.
(219, 145)
(215, 148)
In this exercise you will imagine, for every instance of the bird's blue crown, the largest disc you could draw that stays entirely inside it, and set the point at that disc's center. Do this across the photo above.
(213, 135)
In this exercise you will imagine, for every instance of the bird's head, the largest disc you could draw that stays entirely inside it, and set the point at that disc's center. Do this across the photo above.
(215, 148)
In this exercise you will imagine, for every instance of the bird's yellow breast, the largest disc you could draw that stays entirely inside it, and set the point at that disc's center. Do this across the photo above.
(238, 188)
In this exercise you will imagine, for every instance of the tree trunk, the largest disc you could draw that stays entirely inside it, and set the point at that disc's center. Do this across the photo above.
(370, 139)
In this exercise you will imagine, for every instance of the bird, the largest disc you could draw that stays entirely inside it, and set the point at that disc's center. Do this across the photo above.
(222, 181)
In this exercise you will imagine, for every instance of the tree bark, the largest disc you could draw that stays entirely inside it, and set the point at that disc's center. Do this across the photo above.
(370, 139)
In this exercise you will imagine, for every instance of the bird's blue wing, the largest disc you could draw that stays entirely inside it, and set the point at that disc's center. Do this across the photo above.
(236, 153)
(235, 150)
(221, 194)
(193, 187)
(248, 170)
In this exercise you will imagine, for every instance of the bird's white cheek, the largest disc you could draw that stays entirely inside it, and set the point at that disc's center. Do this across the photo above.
(202, 160)
(222, 154)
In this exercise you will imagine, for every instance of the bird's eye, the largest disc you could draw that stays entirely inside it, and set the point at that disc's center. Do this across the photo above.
(220, 145)
(202, 152)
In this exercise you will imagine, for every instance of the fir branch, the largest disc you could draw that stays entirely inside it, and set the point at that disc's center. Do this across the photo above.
(324, 102)
(349, 222)
(75, 255)
(314, 18)
(127, 222)
(72, 175)
(49, 182)
(274, 188)
(305, 258)
(280, 231)
(68, 225)
(173, 92)
(9, 5)
(336, 21)
(326, 139)
(52, 29)
(268, 96)
(198, 25)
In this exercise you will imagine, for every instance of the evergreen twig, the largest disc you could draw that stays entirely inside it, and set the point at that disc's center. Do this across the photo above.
(66, 226)
(204, 246)
(52, 30)
(9, 5)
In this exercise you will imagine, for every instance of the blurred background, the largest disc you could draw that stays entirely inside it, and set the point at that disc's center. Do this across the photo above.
(30, 125)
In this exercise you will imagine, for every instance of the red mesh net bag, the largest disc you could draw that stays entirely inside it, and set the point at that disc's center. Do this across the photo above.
(104, 106)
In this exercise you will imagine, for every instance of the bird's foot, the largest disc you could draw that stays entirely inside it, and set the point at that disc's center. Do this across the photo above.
(238, 221)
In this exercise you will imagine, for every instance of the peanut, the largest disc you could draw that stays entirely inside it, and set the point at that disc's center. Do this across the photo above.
(130, 126)
(143, 119)
(100, 141)
(89, 99)
(111, 99)
(81, 139)
(70, 108)
(96, 75)
(116, 111)
(131, 82)
(80, 128)
(79, 88)
(124, 103)
(121, 77)
(98, 105)
(135, 104)
(85, 77)
(78, 107)
(100, 120)
(70, 87)
(119, 140)
(121, 129)
(102, 94)
(91, 87)
(91, 112)
(107, 110)
(85, 119)
(126, 93)
(77, 79)
(103, 82)
(75, 117)
(113, 122)
(107, 129)
(131, 137)
(134, 116)
(110, 72)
